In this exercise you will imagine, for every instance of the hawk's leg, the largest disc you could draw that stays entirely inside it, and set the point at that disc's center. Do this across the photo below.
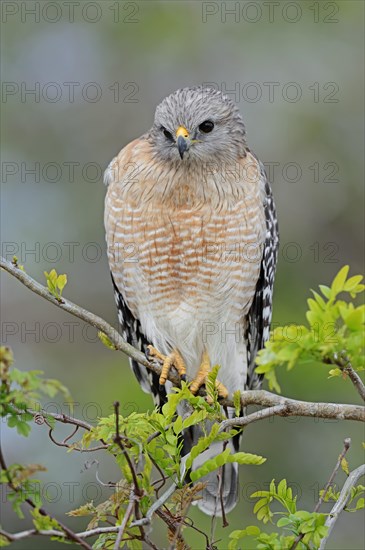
(201, 377)
(174, 359)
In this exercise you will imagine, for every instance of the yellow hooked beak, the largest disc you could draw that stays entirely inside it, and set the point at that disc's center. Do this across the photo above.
(182, 137)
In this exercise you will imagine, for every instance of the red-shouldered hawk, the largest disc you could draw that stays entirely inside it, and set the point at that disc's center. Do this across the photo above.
(192, 243)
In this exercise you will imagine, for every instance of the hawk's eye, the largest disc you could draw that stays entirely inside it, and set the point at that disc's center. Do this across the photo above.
(167, 134)
(206, 126)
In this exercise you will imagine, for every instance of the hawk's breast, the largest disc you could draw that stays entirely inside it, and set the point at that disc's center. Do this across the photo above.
(201, 261)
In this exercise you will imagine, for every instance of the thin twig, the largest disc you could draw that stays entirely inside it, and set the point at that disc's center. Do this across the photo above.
(347, 444)
(225, 522)
(124, 523)
(155, 506)
(98, 530)
(79, 312)
(341, 502)
(254, 417)
(118, 440)
(41, 418)
(14, 537)
(137, 491)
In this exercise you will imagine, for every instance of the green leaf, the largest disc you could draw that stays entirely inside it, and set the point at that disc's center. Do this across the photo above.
(178, 425)
(246, 458)
(211, 386)
(235, 536)
(319, 300)
(360, 504)
(338, 282)
(55, 283)
(23, 428)
(106, 341)
(61, 282)
(4, 541)
(43, 523)
(259, 504)
(283, 522)
(210, 465)
(326, 291)
(352, 283)
(237, 402)
(203, 443)
(84, 510)
(195, 418)
(273, 382)
(356, 318)
(282, 488)
(345, 466)
(314, 306)
(224, 458)
(335, 372)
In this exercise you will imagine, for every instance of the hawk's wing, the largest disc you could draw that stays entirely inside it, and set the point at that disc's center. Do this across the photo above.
(132, 333)
(259, 317)
(130, 325)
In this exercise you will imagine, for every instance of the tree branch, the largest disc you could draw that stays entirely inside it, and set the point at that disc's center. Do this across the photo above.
(13, 537)
(264, 398)
(341, 502)
(254, 417)
(41, 418)
(77, 311)
(347, 444)
(119, 441)
(284, 406)
(123, 525)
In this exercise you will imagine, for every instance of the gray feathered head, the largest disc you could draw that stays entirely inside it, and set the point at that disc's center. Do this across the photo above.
(198, 124)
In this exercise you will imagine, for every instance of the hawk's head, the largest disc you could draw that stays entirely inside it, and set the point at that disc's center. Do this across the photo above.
(198, 124)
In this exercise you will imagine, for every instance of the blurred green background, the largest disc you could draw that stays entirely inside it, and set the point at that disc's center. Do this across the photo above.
(97, 71)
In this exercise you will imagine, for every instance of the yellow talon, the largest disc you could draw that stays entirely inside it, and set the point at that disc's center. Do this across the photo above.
(174, 359)
(201, 377)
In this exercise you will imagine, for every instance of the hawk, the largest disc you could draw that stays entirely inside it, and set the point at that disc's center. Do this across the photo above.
(192, 241)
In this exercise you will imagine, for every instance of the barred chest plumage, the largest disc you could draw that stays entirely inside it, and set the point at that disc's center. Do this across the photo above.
(187, 272)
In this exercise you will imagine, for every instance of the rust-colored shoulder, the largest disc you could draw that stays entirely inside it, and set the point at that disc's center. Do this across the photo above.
(123, 162)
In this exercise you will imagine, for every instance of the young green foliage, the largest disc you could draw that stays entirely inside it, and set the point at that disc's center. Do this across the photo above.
(356, 500)
(21, 391)
(104, 339)
(56, 283)
(295, 522)
(334, 334)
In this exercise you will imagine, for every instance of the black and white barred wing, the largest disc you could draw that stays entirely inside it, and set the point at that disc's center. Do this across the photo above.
(259, 316)
(132, 333)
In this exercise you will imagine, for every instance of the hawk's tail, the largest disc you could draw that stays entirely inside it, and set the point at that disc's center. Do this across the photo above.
(221, 485)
